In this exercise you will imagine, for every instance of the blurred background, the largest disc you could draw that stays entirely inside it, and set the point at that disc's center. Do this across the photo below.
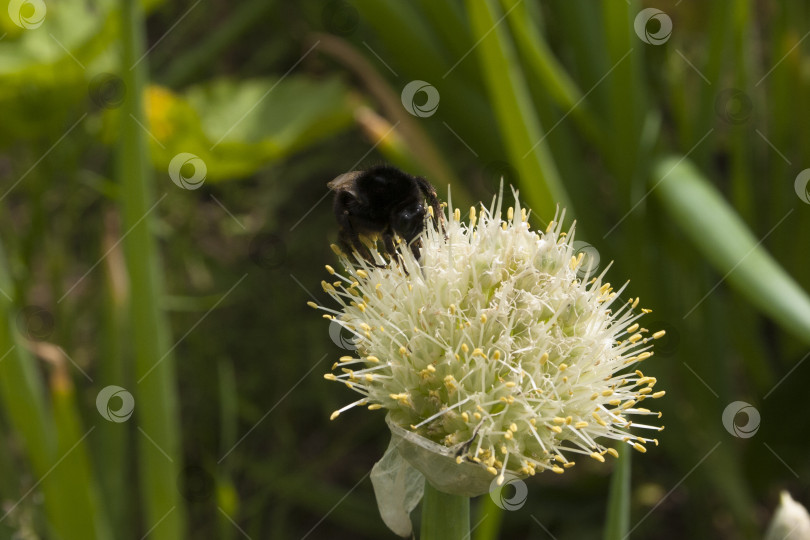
(164, 219)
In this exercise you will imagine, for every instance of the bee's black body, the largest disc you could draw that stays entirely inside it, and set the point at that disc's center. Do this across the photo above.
(381, 201)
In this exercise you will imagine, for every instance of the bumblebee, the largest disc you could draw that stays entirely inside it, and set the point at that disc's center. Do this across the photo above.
(382, 202)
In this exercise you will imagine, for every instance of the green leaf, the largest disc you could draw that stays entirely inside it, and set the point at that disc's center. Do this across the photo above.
(158, 444)
(236, 127)
(727, 243)
(517, 119)
(41, 83)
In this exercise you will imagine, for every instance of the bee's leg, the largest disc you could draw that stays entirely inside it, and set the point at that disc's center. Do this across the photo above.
(390, 248)
(430, 194)
(415, 244)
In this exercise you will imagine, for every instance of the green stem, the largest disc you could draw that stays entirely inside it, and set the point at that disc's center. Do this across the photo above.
(444, 516)
(158, 441)
(618, 510)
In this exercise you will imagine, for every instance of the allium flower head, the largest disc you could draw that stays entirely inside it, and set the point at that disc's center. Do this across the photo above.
(495, 346)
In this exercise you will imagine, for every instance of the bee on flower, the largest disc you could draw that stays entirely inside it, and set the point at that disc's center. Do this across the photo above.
(498, 343)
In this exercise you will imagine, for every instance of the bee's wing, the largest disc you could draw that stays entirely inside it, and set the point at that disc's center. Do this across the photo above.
(344, 181)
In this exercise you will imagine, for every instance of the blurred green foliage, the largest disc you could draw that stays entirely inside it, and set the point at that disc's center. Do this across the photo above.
(677, 153)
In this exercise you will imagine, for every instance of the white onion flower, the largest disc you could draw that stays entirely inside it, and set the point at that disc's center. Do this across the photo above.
(495, 346)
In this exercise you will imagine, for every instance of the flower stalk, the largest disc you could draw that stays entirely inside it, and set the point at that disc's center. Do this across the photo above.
(444, 516)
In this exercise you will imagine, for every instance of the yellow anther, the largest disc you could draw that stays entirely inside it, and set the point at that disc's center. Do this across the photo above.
(613, 452)
(558, 420)
(510, 213)
(457, 214)
(628, 404)
(598, 457)
(635, 304)
(550, 226)
(608, 392)
(369, 377)
(312, 305)
(581, 424)
(492, 470)
(329, 377)
(483, 318)
(465, 348)
(615, 402)
(631, 329)
(513, 427)
(639, 447)
(658, 394)
(334, 415)
(556, 429)
(346, 359)
(557, 469)
(569, 464)
(563, 367)
(465, 417)
(659, 334)
(374, 406)
(544, 358)
(336, 249)
(634, 338)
